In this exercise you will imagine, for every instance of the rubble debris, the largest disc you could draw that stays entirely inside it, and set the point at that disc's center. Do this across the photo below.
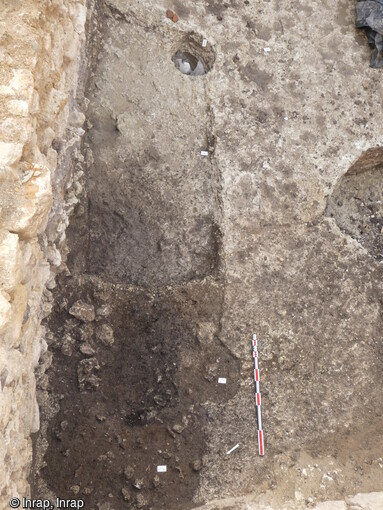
(138, 483)
(178, 428)
(87, 380)
(105, 334)
(197, 465)
(129, 472)
(125, 494)
(369, 15)
(82, 311)
(86, 349)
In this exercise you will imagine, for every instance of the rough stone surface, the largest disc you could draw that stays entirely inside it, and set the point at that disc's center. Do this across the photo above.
(38, 79)
(331, 505)
(82, 311)
(372, 501)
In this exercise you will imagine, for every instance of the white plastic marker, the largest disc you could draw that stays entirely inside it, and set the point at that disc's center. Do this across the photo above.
(204, 43)
(161, 469)
(232, 449)
(221, 380)
(258, 400)
(204, 153)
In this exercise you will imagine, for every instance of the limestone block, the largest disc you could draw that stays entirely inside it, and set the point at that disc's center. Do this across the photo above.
(5, 312)
(18, 107)
(10, 258)
(10, 153)
(368, 501)
(6, 90)
(36, 418)
(22, 83)
(78, 16)
(12, 360)
(82, 311)
(331, 505)
(6, 395)
(18, 307)
(29, 415)
(15, 130)
(37, 200)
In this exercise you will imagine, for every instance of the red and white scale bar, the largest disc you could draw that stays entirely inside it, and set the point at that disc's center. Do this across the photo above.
(258, 400)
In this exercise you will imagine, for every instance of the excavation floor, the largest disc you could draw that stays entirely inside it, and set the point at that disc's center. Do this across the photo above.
(178, 258)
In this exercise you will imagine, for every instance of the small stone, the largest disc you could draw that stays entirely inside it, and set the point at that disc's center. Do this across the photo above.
(100, 417)
(129, 472)
(171, 433)
(75, 489)
(138, 483)
(86, 332)
(141, 501)
(66, 349)
(178, 428)
(105, 334)
(159, 401)
(104, 506)
(87, 380)
(103, 311)
(82, 311)
(156, 481)
(197, 465)
(86, 349)
(125, 494)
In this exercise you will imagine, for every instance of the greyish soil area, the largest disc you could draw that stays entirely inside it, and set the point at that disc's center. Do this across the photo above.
(176, 259)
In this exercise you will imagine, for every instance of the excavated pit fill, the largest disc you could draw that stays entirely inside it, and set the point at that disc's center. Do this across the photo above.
(356, 206)
(151, 215)
(135, 326)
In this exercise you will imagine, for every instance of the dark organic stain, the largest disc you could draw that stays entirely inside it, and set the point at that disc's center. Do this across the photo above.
(181, 9)
(251, 72)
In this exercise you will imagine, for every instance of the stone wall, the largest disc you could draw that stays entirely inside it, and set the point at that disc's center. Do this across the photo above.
(40, 123)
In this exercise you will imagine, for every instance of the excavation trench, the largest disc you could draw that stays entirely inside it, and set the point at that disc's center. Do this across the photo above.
(135, 324)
